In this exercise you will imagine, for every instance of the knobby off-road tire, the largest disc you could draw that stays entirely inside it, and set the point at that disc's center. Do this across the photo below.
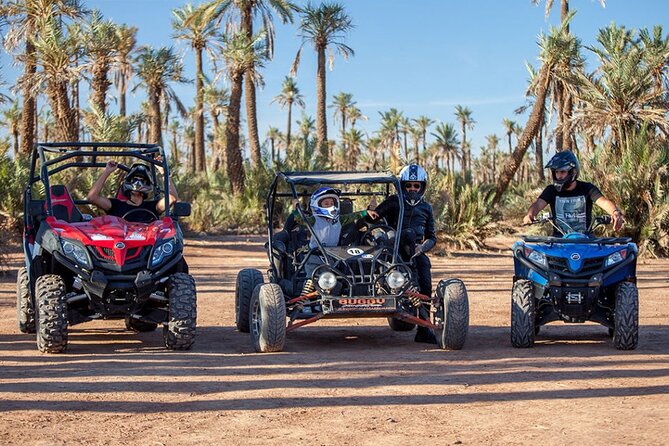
(523, 313)
(267, 315)
(25, 312)
(138, 326)
(179, 332)
(455, 304)
(247, 280)
(626, 317)
(51, 314)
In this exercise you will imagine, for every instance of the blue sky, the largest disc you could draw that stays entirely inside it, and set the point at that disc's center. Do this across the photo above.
(420, 56)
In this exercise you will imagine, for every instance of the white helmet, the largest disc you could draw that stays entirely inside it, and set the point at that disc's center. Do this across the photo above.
(331, 212)
(409, 174)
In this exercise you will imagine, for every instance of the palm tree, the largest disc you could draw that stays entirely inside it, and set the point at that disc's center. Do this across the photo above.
(340, 103)
(353, 114)
(174, 128)
(198, 27)
(307, 126)
(240, 52)
(123, 70)
(22, 17)
(217, 101)
(447, 140)
(509, 129)
(354, 139)
(289, 95)
(100, 40)
(464, 115)
(53, 54)
(493, 142)
(274, 135)
(423, 123)
(656, 55)
(622, 95)
(324, 26)
(158, 68)
(11, 119)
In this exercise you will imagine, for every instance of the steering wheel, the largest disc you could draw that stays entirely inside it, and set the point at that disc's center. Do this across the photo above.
(133, 211)
(371, 236)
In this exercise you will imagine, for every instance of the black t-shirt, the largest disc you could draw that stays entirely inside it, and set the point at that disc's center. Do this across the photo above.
(572, 207)
(120, 207)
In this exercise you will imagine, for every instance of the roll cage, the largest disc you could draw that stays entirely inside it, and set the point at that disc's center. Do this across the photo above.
(295, 179)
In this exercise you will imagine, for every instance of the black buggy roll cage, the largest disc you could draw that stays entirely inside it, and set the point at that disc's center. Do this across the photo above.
(293, 179)
(69, 150)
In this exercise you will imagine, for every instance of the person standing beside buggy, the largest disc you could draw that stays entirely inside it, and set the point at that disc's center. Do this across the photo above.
(137, 185)
(418, 233)
(571, 200)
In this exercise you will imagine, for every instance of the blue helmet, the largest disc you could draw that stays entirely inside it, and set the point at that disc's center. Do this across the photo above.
(413, 173)
(317, 210)
(565, 160)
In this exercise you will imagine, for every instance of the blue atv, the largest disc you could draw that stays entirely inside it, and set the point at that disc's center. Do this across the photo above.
(575, 278)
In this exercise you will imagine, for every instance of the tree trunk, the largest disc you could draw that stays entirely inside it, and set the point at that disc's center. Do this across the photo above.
(252, 118)
(63, 112)
(155, 122)
(200, 157)
(539, 154)
(29, 103)
(290, 112)
(100, 84)
(567, 136)
(234, 164)
(321, 119)
(462, 146)
(533, 125)
(121, 100)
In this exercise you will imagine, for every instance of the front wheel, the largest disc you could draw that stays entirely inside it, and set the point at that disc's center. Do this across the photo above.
(51, 317)
(626, 317)
(267, 316)
(523, 313)
(453, 313)
(25, 310)
(179, 332)
(247, 280)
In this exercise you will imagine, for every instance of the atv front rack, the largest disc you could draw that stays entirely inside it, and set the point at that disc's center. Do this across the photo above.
(581, 241)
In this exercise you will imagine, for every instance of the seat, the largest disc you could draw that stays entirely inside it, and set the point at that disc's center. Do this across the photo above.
(63, 205)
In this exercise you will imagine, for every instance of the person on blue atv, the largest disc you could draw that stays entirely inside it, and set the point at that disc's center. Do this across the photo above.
(418, 234)
(571, 200)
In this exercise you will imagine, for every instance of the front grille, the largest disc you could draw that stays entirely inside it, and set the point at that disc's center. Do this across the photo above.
(588, 266)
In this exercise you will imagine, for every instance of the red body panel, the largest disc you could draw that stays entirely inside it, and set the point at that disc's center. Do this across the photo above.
(114, 235)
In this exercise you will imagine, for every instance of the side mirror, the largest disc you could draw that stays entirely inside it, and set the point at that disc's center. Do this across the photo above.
(181, 209)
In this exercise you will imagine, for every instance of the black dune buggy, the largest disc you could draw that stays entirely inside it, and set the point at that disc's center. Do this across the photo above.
(80, 267)
(363, 277)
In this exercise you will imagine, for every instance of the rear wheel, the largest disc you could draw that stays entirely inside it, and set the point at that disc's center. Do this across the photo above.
(523, 313)
(247, 280)
(51, 314)
(454, 314)
(626, 317)
(139, 326)
(179, 332)
(267, 314)
(25, 311)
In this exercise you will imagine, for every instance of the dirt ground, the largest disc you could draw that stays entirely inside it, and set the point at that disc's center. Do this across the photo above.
(343, 382)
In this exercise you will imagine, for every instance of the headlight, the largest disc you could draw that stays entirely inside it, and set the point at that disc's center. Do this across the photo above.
(536, 257)
(616, 257)
(327, 280)
(76, 252)
(161, 252)
(396, 279)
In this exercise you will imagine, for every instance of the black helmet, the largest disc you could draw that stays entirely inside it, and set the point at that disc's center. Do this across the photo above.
(138, 179)
(565, 160)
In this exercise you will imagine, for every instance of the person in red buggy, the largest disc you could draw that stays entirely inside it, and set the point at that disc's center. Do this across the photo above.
(136, 187)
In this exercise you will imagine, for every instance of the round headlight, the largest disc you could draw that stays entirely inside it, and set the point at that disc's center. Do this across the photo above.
(168, 247)
(395, 279)
(327, 281)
